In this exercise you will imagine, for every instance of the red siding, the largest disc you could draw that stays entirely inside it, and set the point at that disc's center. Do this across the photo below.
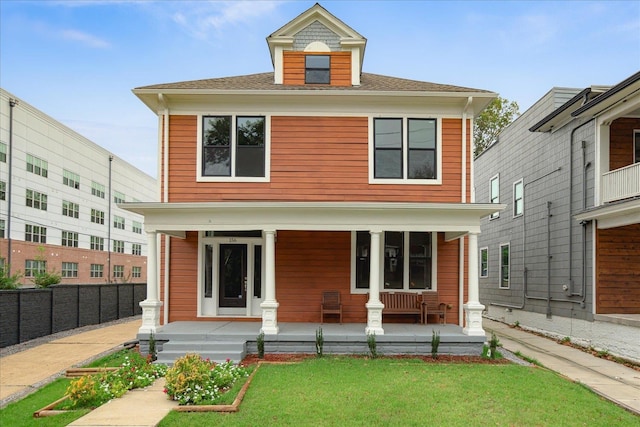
(621, 142)
(294, 68)
(312, 159)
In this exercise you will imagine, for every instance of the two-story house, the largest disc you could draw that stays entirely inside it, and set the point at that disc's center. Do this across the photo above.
(317, 176)
(564, 257)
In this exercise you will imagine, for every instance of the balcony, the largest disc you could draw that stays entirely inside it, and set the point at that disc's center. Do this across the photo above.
(619, 184)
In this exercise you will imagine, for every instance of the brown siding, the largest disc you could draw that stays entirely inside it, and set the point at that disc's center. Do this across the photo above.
(448, 276)
(312, 159)
(294, 67)
(618, 270)
(183, 278)
(621, 142)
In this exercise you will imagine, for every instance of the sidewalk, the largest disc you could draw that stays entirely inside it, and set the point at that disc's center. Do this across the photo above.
(24, 372)
(611, 380)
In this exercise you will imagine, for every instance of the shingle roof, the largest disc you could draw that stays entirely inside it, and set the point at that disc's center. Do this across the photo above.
(265, 81)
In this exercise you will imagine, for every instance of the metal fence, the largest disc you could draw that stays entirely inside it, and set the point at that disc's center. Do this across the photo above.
(26, 314)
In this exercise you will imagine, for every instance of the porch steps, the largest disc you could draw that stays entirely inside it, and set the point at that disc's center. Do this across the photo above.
(217, 351)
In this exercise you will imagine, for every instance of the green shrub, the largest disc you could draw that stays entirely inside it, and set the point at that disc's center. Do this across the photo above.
(193, 380)
(435, 343)
(373, 345)
(260, 344)
(319, 342)
(9, 282)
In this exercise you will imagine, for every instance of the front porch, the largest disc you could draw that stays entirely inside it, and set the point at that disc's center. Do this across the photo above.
(222, 340)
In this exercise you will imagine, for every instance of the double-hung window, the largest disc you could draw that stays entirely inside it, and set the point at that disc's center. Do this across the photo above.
(69, 269)
(317, 69)
(70, 238)
(406, 261)
(71, 179)
(518, 198)
(495, 194)
(405, 149)
(37, 165)
(484, 262)
(504, 266)
(233, 147)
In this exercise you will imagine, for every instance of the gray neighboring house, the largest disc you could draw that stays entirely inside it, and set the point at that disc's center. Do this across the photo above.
(564, 257)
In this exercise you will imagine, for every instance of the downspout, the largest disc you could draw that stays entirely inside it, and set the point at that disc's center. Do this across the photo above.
(549, 256)
(12, 104)
(464, 200)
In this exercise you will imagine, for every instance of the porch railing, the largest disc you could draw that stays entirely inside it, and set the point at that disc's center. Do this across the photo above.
(621, 183)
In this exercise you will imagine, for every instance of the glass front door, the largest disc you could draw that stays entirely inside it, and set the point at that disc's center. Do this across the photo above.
(233, 275)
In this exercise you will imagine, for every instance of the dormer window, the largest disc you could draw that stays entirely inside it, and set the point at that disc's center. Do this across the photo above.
(317, 69)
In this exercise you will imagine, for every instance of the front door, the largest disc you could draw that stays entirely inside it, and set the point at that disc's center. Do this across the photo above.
(232, 275)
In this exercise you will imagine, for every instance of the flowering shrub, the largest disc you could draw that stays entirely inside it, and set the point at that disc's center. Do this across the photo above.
(193, 380)
(90, 391)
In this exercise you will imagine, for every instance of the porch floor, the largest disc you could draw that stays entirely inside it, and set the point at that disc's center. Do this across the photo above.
(221, 340)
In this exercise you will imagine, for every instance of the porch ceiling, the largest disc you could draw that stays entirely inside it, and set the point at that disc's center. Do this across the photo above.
(454, 218)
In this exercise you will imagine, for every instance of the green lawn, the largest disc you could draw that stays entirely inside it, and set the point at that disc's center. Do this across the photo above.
(347, 391)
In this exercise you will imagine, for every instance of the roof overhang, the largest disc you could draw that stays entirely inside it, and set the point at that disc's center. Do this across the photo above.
(454, 219)
(282, 100)
(613, 215)
(619, 94)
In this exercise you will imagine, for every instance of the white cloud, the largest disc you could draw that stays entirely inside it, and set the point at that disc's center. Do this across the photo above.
(84, 38)
(201, 19)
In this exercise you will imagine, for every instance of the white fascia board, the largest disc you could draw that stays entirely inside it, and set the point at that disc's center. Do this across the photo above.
(614, 215)
(334, 216)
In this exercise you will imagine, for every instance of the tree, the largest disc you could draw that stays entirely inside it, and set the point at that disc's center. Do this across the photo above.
(492, 120)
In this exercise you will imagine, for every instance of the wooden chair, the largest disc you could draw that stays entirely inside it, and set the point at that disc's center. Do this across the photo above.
(432, 306)
(330, 304)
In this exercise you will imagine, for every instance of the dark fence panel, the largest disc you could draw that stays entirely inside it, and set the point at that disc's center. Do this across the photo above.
(125, 297)
(108, 303)
(9, 318)
(65, 307)
(26, 314)
(89, 302)
(35, 314)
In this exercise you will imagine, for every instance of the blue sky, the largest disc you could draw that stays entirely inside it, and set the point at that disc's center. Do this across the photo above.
(77, 61)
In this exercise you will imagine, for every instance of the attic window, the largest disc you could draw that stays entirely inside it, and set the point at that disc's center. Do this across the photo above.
(317, 69)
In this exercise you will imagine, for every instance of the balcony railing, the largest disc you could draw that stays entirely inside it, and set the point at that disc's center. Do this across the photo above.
(621, 183)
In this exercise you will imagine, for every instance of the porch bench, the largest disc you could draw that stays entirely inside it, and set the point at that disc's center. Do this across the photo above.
(433, 306)
(402, 303)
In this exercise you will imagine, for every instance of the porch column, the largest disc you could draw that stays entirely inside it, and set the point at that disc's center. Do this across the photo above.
(473, 309)
(270, 305)
(374, 306)
(151, 305)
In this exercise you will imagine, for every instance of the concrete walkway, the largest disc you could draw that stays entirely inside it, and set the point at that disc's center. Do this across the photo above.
(611, 380)
(23, 372)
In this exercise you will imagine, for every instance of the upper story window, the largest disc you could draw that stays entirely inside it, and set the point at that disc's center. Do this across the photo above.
(3, 190)
(118, 222)
(97, 189)
(118, 197)
(505, 256)
(71, 179)
(317, 69)
(405, 149)
(518, 198)
(37, 166)
(3, 152)
(137, 227)
(233, 147)
(495, 194)
(484, 262)
(636, 146)
(36, 200)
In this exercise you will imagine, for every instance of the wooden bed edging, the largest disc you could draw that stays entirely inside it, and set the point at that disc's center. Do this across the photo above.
(48, 410)
(81, 372)
(234, 407)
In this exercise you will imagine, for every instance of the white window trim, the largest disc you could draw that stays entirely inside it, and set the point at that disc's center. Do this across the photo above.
(500, 265)
(486, 248)
(496, 214)
(267, 150)
(405, 284)
(520, 181)
(405, 151)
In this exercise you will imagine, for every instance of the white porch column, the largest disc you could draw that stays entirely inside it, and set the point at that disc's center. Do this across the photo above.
(473, 309)
(151, 305)
(270, 305)
(374, 306)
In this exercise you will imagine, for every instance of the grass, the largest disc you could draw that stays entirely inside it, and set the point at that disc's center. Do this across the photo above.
(403, 392)
(20, 413)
